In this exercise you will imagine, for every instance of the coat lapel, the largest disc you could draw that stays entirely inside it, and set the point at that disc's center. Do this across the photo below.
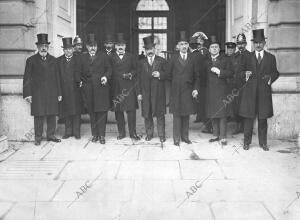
(253, 61)
(155, 63)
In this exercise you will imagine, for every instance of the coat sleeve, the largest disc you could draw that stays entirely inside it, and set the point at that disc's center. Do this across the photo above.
(226, 70)
(108, 68)
(27, 78)
(196, 73)
(78, 69)
(163, 70)
(139, 78)
(169, 72)
(274, 72)
(58, 76)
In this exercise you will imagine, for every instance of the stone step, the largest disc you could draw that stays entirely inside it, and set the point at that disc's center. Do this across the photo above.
(3, 143)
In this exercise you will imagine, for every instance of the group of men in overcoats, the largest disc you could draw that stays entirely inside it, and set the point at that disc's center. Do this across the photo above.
(202, 80)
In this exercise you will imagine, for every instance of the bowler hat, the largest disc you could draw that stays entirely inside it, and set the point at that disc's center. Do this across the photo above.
(182, 36)
(149, 42)
(120, 39)
(90, 39)
(230, 44)
(67, 42)
(258, 35)
(213, 40)
(42, 39)
(241, 38)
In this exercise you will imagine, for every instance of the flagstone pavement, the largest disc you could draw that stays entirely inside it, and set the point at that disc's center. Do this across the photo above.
(139, 180)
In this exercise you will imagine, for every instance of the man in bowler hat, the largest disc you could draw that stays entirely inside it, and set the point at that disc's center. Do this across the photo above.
(184, 75)
(95, 71)
(70, 107)
(41, 88)
(124, 84)
(109, 44)
(151, 89)
(259, 72)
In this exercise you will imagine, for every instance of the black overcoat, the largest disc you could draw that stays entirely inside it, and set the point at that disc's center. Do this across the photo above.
(256, 93)
(124, 90)
(41, 81)
(184, 76)
(218, 88)
(152, 89)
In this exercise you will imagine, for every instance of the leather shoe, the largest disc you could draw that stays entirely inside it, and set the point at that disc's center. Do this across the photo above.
(94, 139)
(148, 137)
(66, 136)
(162, 139)
(120, 137)
(246, 147)
(37, 142)
(186, 141)
(223, 142)
(102, 140)
(207, 131)
(214, 139)
(176, 143)
(77, 137)
(265, 147)
(54, 139)
(135, 137)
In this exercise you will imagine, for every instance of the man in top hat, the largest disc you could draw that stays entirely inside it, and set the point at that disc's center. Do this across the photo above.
(151, 89)
(95, 71)
(259, 72)
(70, 107)
(124, 85)
(218, 71)
(41, 88)
(77, 44)
(184, 75)
(109, 44)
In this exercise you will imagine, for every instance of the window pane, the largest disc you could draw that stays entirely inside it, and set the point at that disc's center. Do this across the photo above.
(145, 23)
(152, 5)
(161, 43)
(141, 42)
(160, 23)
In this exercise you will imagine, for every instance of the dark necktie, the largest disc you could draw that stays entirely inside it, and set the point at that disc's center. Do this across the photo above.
(259, 58)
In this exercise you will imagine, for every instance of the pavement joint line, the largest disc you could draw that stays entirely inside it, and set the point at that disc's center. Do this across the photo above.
(9, 156)
(138, 156)
(85, 146)
(2, 217)
(43, 157)
(45, 144)
(101, 151)
(180, 171)
(60, 172)
(266, 208)
(57, 191)
(117, 173)
(218, 164)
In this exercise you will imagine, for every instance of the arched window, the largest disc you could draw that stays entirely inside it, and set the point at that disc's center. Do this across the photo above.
(152, 19)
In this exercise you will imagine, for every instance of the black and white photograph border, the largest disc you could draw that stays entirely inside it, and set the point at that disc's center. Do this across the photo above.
(134, 173)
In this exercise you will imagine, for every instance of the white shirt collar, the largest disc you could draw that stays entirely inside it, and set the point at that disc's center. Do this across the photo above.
(184, 54)
(215, 56)
(261, 53)
(153, 57)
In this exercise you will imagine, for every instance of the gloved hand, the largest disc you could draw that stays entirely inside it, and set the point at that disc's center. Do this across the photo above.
(127, 76)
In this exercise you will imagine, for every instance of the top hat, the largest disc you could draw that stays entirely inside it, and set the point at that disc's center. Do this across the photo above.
(77, 40)
(109, 38)
(90, 39)
(241, 38)
(230, 44)
(213, 40)
(120, 39)
(182, 36)
(67, 42)
(149, 42)
(258, 35)
(42, 39)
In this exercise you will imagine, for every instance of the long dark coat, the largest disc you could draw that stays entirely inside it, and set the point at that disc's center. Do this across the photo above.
(218, 88)
(96, 96)
(124, 90)
(184, 76)
(152, 89)
(41, 81)
(256, 94)
(72, 101)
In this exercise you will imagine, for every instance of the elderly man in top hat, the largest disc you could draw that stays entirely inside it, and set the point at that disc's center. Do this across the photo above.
(77, 44)
(41, 88)
(124, 85)
(183, 72)
(95, 71)
(218, 71)
(70, 107)
(259, 72)
(151, 89)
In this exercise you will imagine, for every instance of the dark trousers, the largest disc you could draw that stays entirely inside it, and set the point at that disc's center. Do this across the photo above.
(72, 125)
(149, 125)
(39, 123)
(262, 131)
(131, 118)
(219, 127)
(98, 123)
(181, 127)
